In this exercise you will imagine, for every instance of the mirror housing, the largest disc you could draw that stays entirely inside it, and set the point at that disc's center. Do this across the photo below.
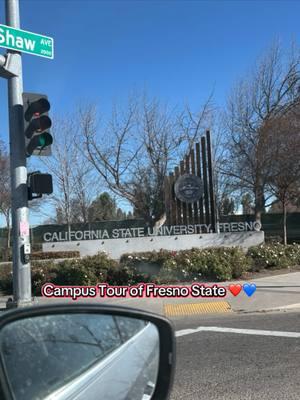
(166, 361)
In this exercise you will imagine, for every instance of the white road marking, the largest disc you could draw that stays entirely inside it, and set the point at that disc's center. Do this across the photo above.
(258, 332)
(290, 306)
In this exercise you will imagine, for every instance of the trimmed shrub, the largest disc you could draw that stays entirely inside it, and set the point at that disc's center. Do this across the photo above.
(274, 256)
(5, 254)
(84, 271)
(169, 275)
(95, 269)
(213, 263)
(149, 261)
(292, 251)
(80, 272)
(42, 273)
(195, 264)
(157, 257)
(48, 255)
(6, 278)
(266, 256)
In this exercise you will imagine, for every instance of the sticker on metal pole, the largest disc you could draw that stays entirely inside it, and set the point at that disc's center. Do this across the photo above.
(26, 42)
(24, 228)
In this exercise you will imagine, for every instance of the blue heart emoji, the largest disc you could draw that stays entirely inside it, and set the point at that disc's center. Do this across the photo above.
(249, 289)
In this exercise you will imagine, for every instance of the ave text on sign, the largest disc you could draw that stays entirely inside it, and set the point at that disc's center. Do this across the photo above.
(26, 42)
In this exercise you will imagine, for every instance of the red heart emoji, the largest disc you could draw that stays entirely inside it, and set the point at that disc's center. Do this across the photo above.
(235, 289)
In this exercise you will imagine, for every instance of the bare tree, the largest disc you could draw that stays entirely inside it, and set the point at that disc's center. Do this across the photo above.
(269, 91)
(246, 202)
(224, 185)
(283, 137)
(74, 186)
(192, 124)
(5, 199)
(135, 149)
(104, 207)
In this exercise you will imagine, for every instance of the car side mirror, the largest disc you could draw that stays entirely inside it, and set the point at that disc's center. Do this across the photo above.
(85, 352)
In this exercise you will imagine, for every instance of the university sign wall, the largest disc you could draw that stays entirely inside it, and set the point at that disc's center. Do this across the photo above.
(142, 232)
(191, 219)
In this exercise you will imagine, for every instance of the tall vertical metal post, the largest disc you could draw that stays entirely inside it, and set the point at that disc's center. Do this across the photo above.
(20, 214)
(205, 180)
(212, 196)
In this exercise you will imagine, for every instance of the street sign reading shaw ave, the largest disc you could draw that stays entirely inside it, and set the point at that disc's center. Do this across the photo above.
(27, 42)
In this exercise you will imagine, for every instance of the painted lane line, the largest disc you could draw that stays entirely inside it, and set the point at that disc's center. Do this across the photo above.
(258, 332)
(277, 286)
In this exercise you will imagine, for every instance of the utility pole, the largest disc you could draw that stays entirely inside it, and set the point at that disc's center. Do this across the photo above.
(19, 190)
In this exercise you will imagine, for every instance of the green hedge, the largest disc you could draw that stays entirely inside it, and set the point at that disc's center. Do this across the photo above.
(48, 255)
(274, 255)
(213, 264)
(84, 271)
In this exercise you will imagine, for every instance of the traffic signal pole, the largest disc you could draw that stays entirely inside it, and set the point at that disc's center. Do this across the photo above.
(19, 192)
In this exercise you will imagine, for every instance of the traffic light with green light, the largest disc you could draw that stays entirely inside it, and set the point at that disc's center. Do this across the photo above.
(37, 123)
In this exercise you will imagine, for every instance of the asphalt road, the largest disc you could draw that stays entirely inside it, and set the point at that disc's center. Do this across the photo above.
(232, 366)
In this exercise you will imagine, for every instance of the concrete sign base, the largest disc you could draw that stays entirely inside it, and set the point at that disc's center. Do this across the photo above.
(116, 247)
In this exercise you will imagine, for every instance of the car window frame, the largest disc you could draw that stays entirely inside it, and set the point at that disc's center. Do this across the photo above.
(167, 359)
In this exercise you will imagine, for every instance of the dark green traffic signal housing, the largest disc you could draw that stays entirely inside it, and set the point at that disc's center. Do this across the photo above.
(37, 124)
(39, 144)
(38, 107)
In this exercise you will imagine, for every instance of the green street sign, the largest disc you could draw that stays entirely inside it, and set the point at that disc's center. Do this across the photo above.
(27, 42)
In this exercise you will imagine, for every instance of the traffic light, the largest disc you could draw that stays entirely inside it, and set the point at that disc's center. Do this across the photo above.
(36, 124)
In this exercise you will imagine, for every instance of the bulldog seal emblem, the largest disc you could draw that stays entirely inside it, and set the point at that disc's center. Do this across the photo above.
(188, 188)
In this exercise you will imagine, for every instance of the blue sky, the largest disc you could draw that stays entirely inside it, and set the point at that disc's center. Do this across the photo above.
(178, 50)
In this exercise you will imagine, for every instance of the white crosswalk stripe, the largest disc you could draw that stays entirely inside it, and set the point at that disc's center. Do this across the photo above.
(258, 332)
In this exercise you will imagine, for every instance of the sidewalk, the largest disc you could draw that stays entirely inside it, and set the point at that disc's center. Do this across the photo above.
(277, 292)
